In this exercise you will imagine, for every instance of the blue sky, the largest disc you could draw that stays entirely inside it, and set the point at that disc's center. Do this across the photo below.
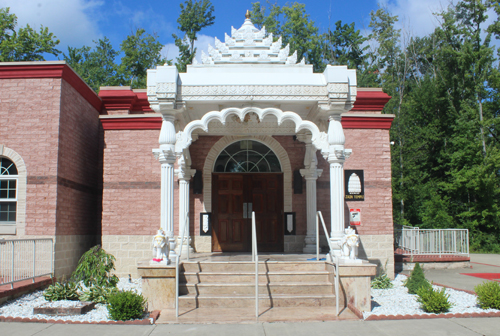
(79, 22)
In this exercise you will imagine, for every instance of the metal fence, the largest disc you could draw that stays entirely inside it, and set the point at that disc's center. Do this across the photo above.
(415, 241)
(23, 259)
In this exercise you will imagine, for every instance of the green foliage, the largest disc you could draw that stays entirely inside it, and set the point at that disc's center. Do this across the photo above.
(488, 295)
(96, 67)
(142, 52)
(94, 268)
(433, 301)
(193, 18)
(293, 24)
(126, 305)
(381, 282)
(65, 290)
(24, 44)
(97, 294)
(417, 280)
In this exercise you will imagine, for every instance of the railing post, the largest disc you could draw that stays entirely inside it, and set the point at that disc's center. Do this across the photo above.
(12, 267)
(317, 237)
(34, 260)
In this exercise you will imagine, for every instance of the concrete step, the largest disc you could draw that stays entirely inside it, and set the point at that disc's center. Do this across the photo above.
(249, 277)
(192, 301)
(249, 288)
(245, 266)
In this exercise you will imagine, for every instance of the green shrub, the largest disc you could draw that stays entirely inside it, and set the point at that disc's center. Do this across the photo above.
(382, 282)
(97, 294)
(417, 280)
(65, 290)
(433, 301)
(126, 305)
(94, 268)
(488, 295)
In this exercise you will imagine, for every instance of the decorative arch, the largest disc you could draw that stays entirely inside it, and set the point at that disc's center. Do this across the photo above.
(270, 142)
(319, 139)
(21, 192)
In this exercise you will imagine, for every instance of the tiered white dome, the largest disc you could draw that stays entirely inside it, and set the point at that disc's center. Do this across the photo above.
(248, 45)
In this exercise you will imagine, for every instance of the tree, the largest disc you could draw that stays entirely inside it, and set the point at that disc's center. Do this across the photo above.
(96, 67)
(142, 52)
(25, 44)
(292, 23)
(193, 18)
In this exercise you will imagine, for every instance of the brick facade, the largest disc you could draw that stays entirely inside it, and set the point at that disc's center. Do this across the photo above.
(86, 182)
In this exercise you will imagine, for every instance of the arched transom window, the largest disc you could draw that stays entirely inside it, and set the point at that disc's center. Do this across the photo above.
(247, 156)
(8, 191)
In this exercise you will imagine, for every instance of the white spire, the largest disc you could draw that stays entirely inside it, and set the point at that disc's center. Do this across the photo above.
(249, 45)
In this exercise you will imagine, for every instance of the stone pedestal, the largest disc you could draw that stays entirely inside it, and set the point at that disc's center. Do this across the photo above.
(355, 282)
(158, 285)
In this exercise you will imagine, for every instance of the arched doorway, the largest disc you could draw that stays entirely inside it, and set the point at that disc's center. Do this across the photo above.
(247, 176)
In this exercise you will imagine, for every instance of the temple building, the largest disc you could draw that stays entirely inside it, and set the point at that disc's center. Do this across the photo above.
(249, 129)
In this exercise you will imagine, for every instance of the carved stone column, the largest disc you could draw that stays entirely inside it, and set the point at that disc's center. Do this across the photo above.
(184, 174)
(311, 174)
(166, 155)
(337, 156)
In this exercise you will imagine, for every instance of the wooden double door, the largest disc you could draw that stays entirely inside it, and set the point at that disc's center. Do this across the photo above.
(234, 197)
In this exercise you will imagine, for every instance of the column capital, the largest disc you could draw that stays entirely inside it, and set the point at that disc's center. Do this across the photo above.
(164, 155)
(311, 174)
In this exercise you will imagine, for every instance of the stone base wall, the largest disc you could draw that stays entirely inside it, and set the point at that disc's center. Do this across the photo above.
(379, 250)
(68, 250)
(128, 250)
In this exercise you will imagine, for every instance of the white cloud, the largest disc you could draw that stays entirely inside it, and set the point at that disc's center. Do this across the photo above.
(74, 22)
(170, 50)
(416, 17)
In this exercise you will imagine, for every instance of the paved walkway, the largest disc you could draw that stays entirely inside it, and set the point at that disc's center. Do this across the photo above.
(455, 327)
(480, 263)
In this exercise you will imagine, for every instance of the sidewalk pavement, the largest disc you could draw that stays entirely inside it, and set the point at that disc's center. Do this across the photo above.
(480, 263)
(454, 326)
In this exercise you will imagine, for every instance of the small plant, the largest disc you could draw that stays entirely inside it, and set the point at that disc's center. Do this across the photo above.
(126, 305)
(97, 294)
(65, 290)
(381, 282)
(94, 268)
(417, 280)
(433, 301)
(488, 295)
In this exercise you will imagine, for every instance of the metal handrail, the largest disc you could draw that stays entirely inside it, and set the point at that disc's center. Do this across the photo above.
(255, 259)
(333, 257)
(21, 255)
(183, 236)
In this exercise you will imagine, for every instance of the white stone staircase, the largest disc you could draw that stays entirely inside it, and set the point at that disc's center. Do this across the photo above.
(231, 284)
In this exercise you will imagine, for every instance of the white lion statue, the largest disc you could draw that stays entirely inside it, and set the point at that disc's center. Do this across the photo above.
(349, 244)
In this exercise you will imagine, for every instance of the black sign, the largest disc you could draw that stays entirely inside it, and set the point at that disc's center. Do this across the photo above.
(354, 185)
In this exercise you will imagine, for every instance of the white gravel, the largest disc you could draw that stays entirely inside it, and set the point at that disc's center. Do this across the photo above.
(394, 301)
(23, 306)
(397, 301)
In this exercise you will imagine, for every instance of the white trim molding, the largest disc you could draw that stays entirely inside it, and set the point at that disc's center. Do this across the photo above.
(319, 139)
(18, 228)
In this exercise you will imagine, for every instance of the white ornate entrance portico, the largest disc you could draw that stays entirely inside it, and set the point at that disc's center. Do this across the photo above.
(251, 75)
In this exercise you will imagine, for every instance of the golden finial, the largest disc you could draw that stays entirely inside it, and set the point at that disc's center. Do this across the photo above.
(247, 15)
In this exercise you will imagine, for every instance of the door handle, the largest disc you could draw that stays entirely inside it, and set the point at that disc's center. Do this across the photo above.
(245, 207)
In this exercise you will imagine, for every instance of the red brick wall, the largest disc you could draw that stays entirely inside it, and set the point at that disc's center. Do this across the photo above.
(131, 183)
(29, 114)
(296, 151)
(198, 150)
(79, 173)
(371, 152)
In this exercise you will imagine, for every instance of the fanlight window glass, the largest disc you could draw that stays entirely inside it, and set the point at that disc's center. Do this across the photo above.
(247, 156)
(8, 191)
